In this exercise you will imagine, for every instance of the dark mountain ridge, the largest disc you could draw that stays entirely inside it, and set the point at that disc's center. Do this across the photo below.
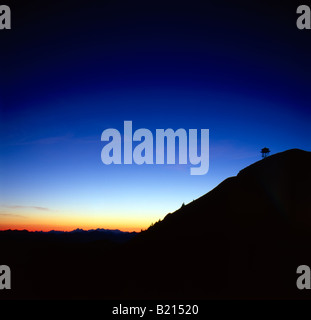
(271, 191)
(77, 235)
(243, 239)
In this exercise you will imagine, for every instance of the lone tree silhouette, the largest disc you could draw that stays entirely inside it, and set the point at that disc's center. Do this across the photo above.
(265, 152)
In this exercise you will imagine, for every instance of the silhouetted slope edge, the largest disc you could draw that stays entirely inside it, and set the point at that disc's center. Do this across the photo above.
(274, 190)
(243, 239)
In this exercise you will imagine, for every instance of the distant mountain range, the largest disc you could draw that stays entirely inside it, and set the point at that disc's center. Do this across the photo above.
(244, 239)
(77, 235)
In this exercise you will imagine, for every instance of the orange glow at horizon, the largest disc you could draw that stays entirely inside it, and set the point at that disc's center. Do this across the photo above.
(59, 227)
(66, 223)
(35, 220)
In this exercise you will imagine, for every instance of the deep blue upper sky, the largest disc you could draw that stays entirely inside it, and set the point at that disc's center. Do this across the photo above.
(71, 70)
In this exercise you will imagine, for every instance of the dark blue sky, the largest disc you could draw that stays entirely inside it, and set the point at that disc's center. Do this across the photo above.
(71, 70)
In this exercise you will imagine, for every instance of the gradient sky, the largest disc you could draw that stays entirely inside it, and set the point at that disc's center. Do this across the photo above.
(70, 71)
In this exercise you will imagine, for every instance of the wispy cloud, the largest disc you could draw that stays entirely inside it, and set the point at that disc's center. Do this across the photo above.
(68, 138)
(46, 140)
(12, 215)
(26, 207)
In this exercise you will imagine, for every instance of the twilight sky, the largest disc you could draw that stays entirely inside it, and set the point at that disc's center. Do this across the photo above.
(70, 71)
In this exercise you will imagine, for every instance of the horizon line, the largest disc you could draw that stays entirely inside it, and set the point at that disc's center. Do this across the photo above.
(69, 231)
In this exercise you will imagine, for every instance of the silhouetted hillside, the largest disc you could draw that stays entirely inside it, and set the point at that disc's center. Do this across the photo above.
(243, 239)
(271, 191)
